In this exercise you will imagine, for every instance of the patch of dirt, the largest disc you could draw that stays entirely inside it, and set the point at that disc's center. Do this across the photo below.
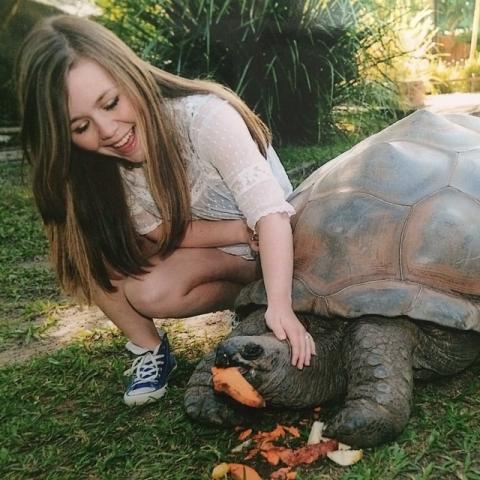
(79, 322)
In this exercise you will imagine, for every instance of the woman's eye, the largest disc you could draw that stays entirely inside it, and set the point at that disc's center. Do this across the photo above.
(111, 105)
(81, 128)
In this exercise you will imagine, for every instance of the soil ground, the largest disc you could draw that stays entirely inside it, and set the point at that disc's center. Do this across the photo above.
(75, 323)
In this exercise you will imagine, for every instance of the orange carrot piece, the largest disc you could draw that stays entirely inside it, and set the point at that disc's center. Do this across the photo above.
(272, 457)
(245, 434)
(308, 453)
(239, 471)
(275, 434)
(231, 381)
(284, 473)
(293, 431)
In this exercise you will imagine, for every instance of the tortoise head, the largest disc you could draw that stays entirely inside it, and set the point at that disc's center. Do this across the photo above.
(265, 363)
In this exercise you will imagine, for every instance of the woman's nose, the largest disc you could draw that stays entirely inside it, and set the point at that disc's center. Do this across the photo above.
(106, 128)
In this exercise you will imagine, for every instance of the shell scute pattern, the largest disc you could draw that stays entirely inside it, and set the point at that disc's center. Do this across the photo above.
(392, 227)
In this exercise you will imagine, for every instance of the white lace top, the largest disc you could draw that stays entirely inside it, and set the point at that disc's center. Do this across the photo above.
(228, 176)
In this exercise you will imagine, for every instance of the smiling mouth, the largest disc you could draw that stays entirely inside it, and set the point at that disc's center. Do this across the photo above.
(126, 144)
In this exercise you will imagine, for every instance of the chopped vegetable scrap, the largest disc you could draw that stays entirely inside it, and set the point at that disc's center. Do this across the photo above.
(279, 448)
(231, 382)
(345, 458)
(237, 471)
(220, 470)
(245, 434)
(284, 473)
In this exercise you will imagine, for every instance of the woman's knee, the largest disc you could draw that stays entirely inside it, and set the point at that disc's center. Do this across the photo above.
(151, 298)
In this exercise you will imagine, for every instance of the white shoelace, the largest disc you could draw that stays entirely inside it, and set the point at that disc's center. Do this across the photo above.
(146, 366)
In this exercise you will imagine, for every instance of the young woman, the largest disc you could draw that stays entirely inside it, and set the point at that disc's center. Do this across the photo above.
(153, 189)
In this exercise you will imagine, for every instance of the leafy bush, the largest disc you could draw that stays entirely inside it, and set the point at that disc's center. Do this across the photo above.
(291, 60)
(456, 77)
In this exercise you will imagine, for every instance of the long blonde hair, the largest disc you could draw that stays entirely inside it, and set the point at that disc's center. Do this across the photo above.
(88, 233)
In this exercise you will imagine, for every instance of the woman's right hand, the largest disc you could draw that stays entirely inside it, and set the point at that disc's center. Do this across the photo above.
(286, 326)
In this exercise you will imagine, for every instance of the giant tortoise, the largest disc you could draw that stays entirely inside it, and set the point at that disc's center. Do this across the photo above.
(386, 279)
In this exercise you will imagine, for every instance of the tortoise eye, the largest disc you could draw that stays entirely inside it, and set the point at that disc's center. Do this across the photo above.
(251, 351)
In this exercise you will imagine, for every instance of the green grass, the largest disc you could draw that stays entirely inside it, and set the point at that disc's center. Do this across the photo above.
(62, 415)
(27, 286)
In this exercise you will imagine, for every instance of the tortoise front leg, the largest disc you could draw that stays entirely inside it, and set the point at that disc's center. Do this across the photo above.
(203, 404)
(378, 356)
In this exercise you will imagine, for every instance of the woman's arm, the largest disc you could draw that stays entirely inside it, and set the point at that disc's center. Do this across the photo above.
(208, 233)
(276, 255)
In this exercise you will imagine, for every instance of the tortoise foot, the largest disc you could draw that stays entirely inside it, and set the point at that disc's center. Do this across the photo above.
(363, 423)
(378, 360)
(204, 405)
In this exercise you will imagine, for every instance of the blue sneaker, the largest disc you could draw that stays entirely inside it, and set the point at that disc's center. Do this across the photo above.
(149, 374)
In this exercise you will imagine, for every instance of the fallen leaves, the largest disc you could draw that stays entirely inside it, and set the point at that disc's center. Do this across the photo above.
(231, 382)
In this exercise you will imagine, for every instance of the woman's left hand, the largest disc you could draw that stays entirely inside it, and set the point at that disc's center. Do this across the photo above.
(252, 240)
(286, 326)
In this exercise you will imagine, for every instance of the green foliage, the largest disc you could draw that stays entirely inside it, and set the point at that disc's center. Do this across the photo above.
(292, 61)
(453, 15)
(457, 77)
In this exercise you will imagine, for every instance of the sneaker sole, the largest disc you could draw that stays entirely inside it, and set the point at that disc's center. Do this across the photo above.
(143, 399)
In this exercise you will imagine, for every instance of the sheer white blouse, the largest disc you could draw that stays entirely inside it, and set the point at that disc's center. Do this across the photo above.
(228, 176)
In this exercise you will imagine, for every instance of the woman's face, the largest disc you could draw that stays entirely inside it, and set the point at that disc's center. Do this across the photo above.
(102, 118)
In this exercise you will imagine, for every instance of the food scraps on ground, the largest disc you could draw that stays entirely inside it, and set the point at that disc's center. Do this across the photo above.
(315, 433)
(231, 382)
(345, 458)
(285, 457)
(245, 434)
(220, 470)
(237, 471)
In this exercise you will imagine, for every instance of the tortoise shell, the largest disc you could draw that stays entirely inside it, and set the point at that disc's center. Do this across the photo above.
(392, 227)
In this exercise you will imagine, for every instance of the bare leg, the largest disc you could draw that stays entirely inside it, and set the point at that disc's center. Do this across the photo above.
(189, 282)
(138, 328)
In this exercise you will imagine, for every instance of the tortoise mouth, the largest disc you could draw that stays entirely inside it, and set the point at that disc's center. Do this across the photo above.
(250, 359)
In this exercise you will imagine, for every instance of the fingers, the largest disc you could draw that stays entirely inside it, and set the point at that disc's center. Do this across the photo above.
(308, 350)
(313, 346)
(302, 350)
(288, 327)
(278, 331)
